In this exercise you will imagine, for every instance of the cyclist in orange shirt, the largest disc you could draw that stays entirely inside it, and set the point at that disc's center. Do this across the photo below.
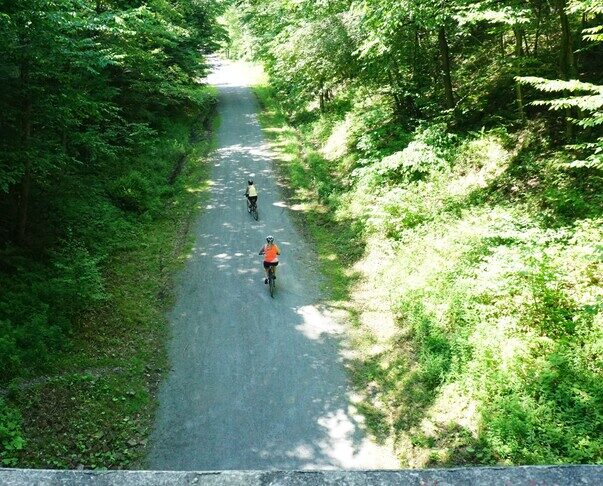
(271, 252)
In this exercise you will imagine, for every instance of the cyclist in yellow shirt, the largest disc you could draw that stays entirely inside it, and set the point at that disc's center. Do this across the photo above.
(252, 195)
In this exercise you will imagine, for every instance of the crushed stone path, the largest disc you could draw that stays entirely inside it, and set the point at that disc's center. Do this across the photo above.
(255, 382)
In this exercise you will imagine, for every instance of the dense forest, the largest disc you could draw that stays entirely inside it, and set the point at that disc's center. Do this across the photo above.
(100, 102)
(447, 158)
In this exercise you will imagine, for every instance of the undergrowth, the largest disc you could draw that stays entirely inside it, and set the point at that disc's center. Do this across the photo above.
(83, 320)
(491, 263)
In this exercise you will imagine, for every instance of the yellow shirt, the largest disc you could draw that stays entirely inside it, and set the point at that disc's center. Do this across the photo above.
(251, 191)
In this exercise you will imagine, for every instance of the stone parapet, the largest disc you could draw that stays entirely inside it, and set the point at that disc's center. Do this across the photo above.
(476, 476)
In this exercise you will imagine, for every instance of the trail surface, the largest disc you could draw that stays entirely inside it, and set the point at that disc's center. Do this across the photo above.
(255, 382)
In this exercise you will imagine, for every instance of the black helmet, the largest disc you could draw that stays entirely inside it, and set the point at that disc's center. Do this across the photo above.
(250, 182)
(270, 239)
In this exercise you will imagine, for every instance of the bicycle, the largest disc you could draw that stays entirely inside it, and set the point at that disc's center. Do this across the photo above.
(271, 281)
(252, 208)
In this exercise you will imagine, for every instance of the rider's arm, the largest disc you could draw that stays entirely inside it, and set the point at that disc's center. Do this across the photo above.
(262, 251)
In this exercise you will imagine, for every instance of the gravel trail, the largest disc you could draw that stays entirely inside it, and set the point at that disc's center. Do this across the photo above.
(255, 382)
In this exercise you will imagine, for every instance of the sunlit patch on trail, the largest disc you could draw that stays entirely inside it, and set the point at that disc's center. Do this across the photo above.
(302, 451)
(245, 271)
(316, 323)
(339, 444)
(223, 256)
(342, 447)
(233, 73)
(259, 152)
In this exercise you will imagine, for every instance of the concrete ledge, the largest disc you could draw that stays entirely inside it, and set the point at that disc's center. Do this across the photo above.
(480, 476)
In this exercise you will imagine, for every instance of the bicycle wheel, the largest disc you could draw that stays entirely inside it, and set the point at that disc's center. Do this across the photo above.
(271, 282)
(254, 213)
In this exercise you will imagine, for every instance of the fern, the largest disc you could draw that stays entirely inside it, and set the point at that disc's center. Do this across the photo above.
(587, 97)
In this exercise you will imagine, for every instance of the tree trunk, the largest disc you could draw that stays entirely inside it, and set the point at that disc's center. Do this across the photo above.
(518, 55)
(537, 33)
(392, 73)
(447, 78)
(416, 46)
(25, 142)
(526, 46)
(567, 66)
(518, 41)
(567, 63)
(537, 36)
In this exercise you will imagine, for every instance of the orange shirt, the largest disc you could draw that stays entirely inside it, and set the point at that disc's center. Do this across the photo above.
(271, 253)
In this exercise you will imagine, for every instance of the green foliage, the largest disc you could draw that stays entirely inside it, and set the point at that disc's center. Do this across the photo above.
(373, 129)
(98, 106)
(590, 104)
(38, 306)
(238, 43)
(10, 358)
(92, 318)
(88, 90)
(133, 192)
(433, 346)
(490, 261)
(487, 235)
(84, 88)
(311, 59)
(98, 99)
(98, 414)
(78, 282)
(425, 153)
(11, 436)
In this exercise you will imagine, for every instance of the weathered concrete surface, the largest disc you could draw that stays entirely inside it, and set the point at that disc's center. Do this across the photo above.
(512, 476)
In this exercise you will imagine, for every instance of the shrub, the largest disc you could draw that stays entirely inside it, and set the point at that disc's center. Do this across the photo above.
(11, 439)
(10, 357)
(36, 309)
(77, 281)
(490, 255)
(373, 131)
(134, 192)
